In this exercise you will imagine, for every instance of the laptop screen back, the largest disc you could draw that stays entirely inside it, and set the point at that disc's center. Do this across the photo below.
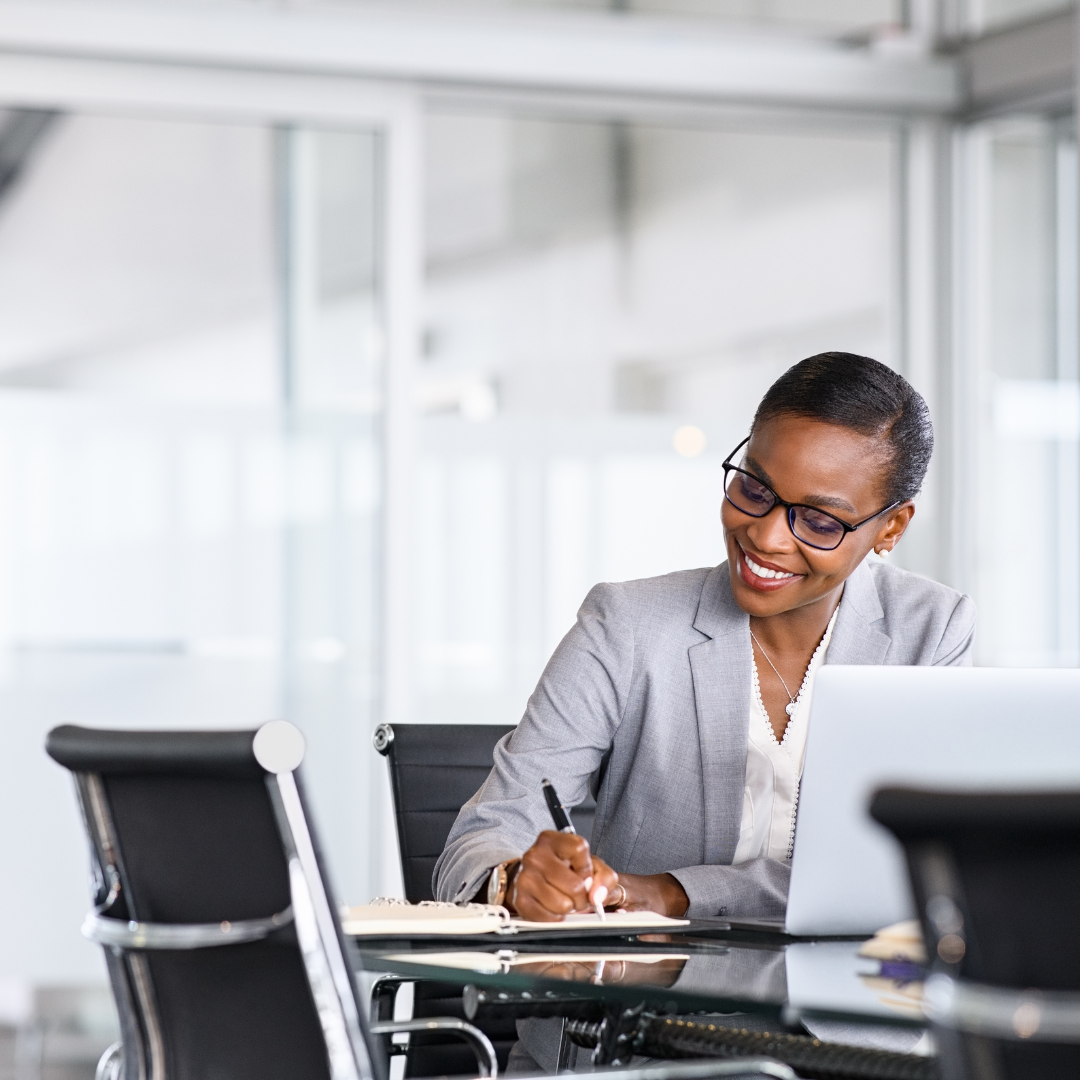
(960, 728)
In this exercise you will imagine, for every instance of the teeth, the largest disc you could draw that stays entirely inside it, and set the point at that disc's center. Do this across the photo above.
(762, 572)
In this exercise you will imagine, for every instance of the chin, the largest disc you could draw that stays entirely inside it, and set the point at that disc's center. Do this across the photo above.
(764, 604)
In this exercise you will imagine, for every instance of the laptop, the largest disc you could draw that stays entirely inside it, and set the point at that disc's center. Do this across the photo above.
(994, 729)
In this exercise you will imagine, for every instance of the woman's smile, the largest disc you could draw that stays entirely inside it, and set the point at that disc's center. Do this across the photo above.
(764, 576)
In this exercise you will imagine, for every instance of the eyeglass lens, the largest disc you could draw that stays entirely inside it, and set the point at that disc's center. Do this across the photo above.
(813, 527)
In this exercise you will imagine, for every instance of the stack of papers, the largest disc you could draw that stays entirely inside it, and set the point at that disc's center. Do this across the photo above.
(901, 941)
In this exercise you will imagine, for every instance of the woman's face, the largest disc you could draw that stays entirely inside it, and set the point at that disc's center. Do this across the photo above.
(821, 465)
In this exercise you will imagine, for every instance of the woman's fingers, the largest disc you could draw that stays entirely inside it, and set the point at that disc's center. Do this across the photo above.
(605, 882)
(555, 877)
(569, 848)
(662, 893)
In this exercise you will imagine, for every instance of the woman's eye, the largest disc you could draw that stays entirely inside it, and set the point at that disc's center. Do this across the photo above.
(820, 524)
(754, 492)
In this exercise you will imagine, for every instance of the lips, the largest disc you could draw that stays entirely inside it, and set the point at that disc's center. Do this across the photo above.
(764, 578)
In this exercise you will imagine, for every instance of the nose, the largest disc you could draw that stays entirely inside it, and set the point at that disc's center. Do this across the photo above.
(771, 532)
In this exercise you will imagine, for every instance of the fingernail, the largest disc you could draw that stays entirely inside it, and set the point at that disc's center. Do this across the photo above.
(588, 884)
(600, 894)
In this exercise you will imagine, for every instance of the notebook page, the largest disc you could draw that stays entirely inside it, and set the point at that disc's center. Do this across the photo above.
(431, 917)
(628, 920)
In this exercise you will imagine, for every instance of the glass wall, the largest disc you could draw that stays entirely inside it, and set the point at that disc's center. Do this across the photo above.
(992, 14)
(333, 374)
(605, 306)
(1022, 326)
(860, 18)
(190, 373)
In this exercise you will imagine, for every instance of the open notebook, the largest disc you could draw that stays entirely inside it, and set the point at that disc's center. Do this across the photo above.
(389, 918)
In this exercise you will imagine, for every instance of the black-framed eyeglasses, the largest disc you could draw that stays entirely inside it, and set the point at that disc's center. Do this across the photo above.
(809, 525)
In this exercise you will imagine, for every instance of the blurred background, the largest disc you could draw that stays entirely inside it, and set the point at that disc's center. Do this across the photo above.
(343, 348)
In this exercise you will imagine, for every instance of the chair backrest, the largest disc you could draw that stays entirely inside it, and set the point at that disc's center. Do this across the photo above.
(434, 770)
(1010, 865)
(995, 878)
(221, 937)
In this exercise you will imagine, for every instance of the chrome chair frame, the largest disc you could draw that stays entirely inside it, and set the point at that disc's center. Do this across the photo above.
(693, 1070)
(975, 1009)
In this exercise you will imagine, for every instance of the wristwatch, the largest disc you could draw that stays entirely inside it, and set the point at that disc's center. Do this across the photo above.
(499, 882)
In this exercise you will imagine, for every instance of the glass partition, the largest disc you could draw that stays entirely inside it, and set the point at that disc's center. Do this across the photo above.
(856, 17)
(333, 405)
(190, 464)
(605, 306)
(1022, 319)
(986, 15)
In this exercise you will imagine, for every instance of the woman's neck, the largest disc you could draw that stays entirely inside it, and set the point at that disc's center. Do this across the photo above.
(798, 630)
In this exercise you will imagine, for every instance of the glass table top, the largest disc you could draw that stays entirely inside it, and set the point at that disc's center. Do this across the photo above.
(674, 972)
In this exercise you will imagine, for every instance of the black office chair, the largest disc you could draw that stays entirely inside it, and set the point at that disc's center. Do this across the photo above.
(434, 770)
(996, 879)
(221, 936)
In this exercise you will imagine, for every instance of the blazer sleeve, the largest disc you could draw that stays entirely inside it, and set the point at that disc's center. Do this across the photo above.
(758, 889)
(568, 726)
(958, 640)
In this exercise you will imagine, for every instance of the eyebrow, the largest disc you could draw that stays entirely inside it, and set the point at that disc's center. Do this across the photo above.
(830, 501)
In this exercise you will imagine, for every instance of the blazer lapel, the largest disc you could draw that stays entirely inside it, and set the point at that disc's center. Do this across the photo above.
(855, 640)
(721, 672)
(720, 667)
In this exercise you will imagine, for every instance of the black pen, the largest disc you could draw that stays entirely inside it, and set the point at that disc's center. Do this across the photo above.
(563, 824)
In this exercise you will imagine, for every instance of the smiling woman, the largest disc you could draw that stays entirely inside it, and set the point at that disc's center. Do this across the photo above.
(851, 440)
(683, 701)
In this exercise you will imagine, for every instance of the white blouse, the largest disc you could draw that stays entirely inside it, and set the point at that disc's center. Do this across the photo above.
(774, 769)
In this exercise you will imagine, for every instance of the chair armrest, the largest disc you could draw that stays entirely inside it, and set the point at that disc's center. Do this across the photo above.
(122, 934)
(382, 992)
(486, 1061)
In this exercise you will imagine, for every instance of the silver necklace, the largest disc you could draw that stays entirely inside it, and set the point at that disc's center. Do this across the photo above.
(792, 702)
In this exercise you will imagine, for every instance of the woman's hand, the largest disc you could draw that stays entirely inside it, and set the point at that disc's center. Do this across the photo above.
(559, 875)
(661, 893)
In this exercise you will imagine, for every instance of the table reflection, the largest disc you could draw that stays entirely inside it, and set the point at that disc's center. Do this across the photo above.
(660, 971)
(685, 973)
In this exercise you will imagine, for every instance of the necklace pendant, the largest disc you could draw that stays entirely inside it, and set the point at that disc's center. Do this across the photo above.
(790, 708)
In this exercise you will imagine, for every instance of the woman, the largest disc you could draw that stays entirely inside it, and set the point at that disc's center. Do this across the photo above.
(683, 700)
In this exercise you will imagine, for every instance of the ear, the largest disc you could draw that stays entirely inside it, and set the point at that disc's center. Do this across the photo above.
(895, 526)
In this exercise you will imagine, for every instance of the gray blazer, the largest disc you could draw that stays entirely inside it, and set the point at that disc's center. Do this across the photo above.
(645, 702)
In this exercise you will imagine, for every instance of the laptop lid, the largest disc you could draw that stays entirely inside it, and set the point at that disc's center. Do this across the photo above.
(962, 728)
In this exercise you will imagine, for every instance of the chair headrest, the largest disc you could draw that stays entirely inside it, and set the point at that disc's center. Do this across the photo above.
(187, 753)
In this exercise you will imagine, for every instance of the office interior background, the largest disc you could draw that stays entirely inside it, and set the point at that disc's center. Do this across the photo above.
(343, 348)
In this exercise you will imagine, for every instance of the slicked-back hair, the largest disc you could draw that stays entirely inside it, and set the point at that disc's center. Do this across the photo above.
(866, 396)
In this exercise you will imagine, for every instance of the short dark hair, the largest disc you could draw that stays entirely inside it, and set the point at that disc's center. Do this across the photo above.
(868, 397)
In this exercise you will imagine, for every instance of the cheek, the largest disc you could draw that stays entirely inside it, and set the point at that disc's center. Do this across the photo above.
(833, 564)
(730, 517)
